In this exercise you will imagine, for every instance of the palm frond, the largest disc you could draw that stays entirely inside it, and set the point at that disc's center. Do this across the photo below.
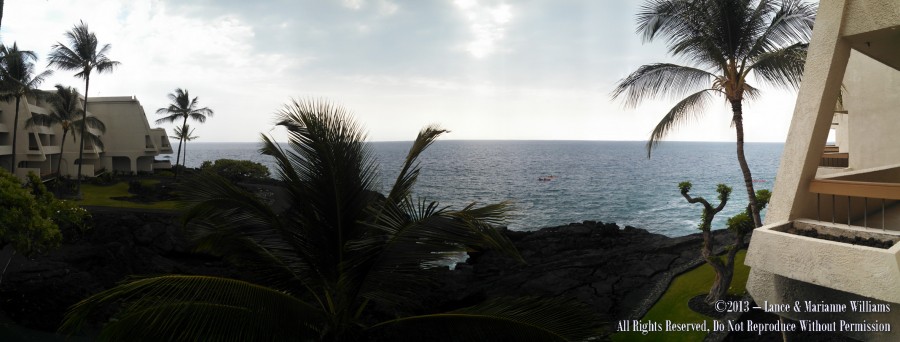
(335, 169)
(503, 319)
(183, 107)
(389, 265)
(409, 173)
(41, 119)
(789, 22)
(783, 67)
(222, 216)
(660, 79)
(190, 308)
(685, 110)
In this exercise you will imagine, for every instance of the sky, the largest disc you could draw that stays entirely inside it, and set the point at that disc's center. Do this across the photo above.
(483, 69)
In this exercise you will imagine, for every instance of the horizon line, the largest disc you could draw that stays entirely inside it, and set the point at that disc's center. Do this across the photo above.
(548, 140)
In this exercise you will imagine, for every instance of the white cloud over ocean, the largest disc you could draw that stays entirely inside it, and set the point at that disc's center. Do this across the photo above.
(485, 69)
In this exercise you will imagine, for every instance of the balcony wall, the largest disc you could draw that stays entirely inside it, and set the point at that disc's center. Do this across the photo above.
(867, 271)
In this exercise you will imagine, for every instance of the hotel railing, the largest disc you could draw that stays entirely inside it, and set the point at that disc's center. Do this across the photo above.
(835, 159)
(850, 189)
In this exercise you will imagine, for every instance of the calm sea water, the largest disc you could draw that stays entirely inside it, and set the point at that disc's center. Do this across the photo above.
(608, 181)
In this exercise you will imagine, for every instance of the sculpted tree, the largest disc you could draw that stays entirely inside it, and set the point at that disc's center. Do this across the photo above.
(739, 225)
(728, 43)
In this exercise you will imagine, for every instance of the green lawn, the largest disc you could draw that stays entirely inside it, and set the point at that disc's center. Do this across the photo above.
(102, 195)
(673, 304)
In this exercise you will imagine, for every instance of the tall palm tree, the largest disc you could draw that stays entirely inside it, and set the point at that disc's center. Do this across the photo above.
(18, 80)
(81, 55)
(341, 264)
(182, 107)
(181, 135)
(727, 42)
(66, 113)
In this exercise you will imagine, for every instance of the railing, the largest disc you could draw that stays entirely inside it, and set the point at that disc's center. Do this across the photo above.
(831, 149)
(835, 159)
(850, 189)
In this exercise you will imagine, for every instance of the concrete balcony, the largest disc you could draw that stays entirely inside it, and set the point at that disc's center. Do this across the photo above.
(834, 159)
(867, 271)
(166, 150)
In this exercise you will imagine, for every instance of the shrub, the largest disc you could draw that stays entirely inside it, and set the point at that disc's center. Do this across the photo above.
(236, 170)
(105, 178)
(25, 222)
(71, 219)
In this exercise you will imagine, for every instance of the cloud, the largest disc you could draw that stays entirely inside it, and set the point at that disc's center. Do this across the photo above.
(159, 50)
(487, 24)
(352, 4)
(386, 7)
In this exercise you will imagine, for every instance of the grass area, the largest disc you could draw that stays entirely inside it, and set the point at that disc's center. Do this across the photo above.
(102, 195)
(673, 304)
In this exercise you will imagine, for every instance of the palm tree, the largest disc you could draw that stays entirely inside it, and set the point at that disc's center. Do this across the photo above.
(66, 113)
(83, 56)
(180, 135)
(182, 107)
(727, 41)
(18, 80)
(341, 264)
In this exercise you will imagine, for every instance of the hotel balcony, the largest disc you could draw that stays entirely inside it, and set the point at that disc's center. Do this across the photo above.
(834, 159)
(847, 242)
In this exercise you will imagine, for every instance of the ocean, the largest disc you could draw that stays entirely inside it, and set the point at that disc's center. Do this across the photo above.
(609, 181)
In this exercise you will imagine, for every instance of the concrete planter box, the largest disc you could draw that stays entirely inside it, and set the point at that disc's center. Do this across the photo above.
(868, 271)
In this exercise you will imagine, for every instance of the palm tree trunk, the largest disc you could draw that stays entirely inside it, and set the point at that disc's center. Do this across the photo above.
(87, 84)
(184, 159)
(12, 167)
(180, 142)
(62, 147)
(742, 160)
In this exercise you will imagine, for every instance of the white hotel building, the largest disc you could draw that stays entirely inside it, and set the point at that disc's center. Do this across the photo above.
(130, 145)
(839, 195)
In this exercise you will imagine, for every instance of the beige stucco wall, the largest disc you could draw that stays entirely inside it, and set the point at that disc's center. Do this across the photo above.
(128, 138)
(130, 143)
(787, 268)
(872, 99)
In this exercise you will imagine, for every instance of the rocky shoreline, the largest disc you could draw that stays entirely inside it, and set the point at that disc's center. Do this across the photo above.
(620, 272)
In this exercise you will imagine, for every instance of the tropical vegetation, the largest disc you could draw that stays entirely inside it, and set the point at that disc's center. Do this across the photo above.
(343, 263)
(739, 225)
(185, 133)
(182, 107)
(18, 79)
(236, 170)
(84, 55)
(31, 219)
(728, 43)
(65, 112)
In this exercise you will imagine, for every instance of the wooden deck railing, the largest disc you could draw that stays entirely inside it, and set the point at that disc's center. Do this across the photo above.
(862, 190)
(835, 160)
(890, 191)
